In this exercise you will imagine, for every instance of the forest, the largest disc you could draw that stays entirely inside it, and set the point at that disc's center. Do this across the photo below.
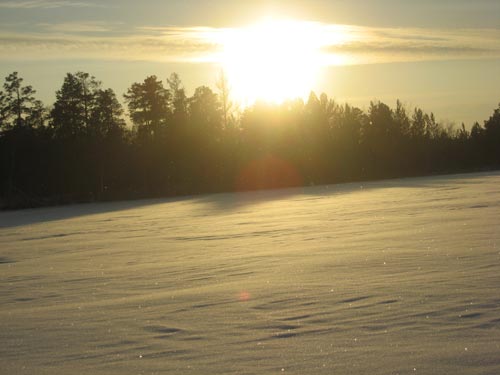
(83, 149)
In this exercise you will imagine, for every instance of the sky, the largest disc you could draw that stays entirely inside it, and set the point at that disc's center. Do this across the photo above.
(441, 55)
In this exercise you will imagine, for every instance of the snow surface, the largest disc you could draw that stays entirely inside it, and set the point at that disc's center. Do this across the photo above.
(393, 277)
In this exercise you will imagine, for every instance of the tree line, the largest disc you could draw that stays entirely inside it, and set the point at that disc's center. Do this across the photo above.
(81, 148)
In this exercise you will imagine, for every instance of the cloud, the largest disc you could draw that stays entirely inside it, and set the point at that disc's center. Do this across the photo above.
(172, 48)
(45, 4)
(378, 45)
(339, 44)
(79, 27)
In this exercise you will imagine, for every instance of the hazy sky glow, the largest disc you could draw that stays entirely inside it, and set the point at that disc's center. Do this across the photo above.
(359, 44)
(38, 35)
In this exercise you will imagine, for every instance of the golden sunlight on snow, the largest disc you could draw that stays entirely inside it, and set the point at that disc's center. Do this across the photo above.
(379, 278)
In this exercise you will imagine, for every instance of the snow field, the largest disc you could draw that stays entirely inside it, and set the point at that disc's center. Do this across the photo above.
(392, 277)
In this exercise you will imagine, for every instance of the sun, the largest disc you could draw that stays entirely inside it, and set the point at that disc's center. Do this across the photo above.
(273, 60)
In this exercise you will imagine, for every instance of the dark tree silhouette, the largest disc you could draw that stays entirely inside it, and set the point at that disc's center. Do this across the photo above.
(73, 107)
(106, 115)
(19, 101)
(178, 98)
(82, 149)
(224, 96)
(19, 113)
(107, 131)
(4, 112)
(492, 136)
(149, 106)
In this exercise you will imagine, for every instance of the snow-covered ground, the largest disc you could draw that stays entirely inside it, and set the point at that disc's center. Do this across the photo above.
(393, 277)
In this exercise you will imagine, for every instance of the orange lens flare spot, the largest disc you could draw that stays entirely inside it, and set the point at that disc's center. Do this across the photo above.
(244, 296)
(269, 172)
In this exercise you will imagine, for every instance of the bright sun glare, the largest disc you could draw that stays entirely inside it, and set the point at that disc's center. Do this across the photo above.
(273, 60)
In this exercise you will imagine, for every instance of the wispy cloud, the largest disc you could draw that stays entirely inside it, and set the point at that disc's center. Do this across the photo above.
(79, 27)
(340, 44)
(45, 4)
(132, 47)
(376, 45)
